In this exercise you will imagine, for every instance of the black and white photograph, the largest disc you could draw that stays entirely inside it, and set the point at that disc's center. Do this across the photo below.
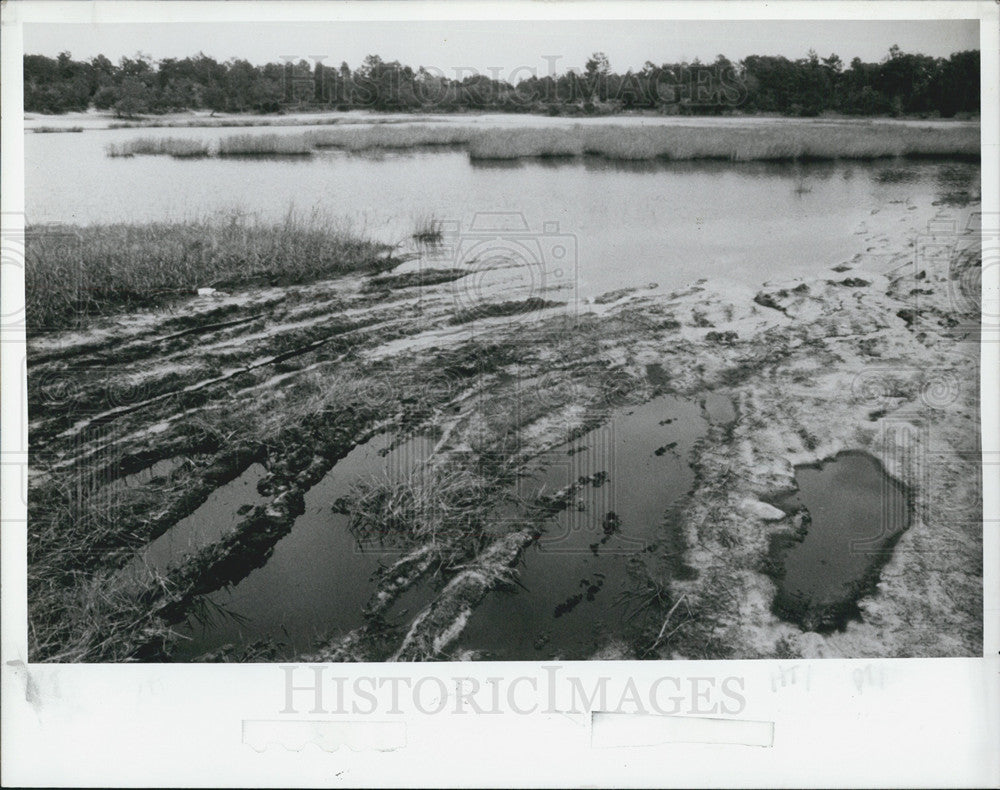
(455, 340)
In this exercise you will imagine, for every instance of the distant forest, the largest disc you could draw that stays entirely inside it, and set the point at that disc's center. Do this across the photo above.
(901, 84)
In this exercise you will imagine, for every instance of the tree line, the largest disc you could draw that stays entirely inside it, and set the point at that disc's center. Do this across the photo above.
(901, 84)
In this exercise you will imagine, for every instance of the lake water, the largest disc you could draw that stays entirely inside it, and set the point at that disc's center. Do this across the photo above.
(590, 224)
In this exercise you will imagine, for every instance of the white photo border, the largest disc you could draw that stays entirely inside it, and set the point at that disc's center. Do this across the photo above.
(874, 723)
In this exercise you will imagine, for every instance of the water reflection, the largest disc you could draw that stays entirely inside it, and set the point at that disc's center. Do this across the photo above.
(580, 586)
(850, 513)
(319, 577)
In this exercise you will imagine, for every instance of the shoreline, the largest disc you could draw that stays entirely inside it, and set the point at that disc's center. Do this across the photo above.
(813, 366)
(101, 121)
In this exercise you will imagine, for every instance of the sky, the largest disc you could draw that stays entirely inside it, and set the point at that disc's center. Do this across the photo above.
(506, 46)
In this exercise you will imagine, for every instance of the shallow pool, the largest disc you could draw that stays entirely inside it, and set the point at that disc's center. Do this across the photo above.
(856, 513)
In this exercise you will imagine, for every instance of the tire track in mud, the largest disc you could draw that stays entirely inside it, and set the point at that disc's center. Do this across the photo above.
(249, 544)
(140, 441)
(121, 411)
(373, 328)
(162, 372)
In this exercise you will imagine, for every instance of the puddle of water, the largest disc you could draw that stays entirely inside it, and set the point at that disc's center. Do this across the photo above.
(857, 513)
(224, 509)
(575, 576)
(319, 578)
(410, 603)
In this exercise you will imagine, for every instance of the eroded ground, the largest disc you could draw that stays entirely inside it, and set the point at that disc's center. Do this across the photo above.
(134, 425)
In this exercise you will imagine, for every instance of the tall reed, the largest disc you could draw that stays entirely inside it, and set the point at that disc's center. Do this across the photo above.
(354, 138)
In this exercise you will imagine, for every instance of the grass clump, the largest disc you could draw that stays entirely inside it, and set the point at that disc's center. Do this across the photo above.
(429, 230)
(74, 272)
(450, 506)
(56, 129)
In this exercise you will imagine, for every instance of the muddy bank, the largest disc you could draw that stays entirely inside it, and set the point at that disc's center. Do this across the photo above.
(879, 355)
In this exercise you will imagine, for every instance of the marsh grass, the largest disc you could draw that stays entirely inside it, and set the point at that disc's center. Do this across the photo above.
(160, 146)
(265, 145)
(526, 143)
(245, 123)
(56, 129)
(82, 608)
(732, 143)
(103, 617)
(79, 521)
(267, 420)
(390, 137)
(74, 272)
(775, 142)
(213, 123)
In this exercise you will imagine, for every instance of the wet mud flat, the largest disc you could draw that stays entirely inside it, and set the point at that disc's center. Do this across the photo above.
(541, 428)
